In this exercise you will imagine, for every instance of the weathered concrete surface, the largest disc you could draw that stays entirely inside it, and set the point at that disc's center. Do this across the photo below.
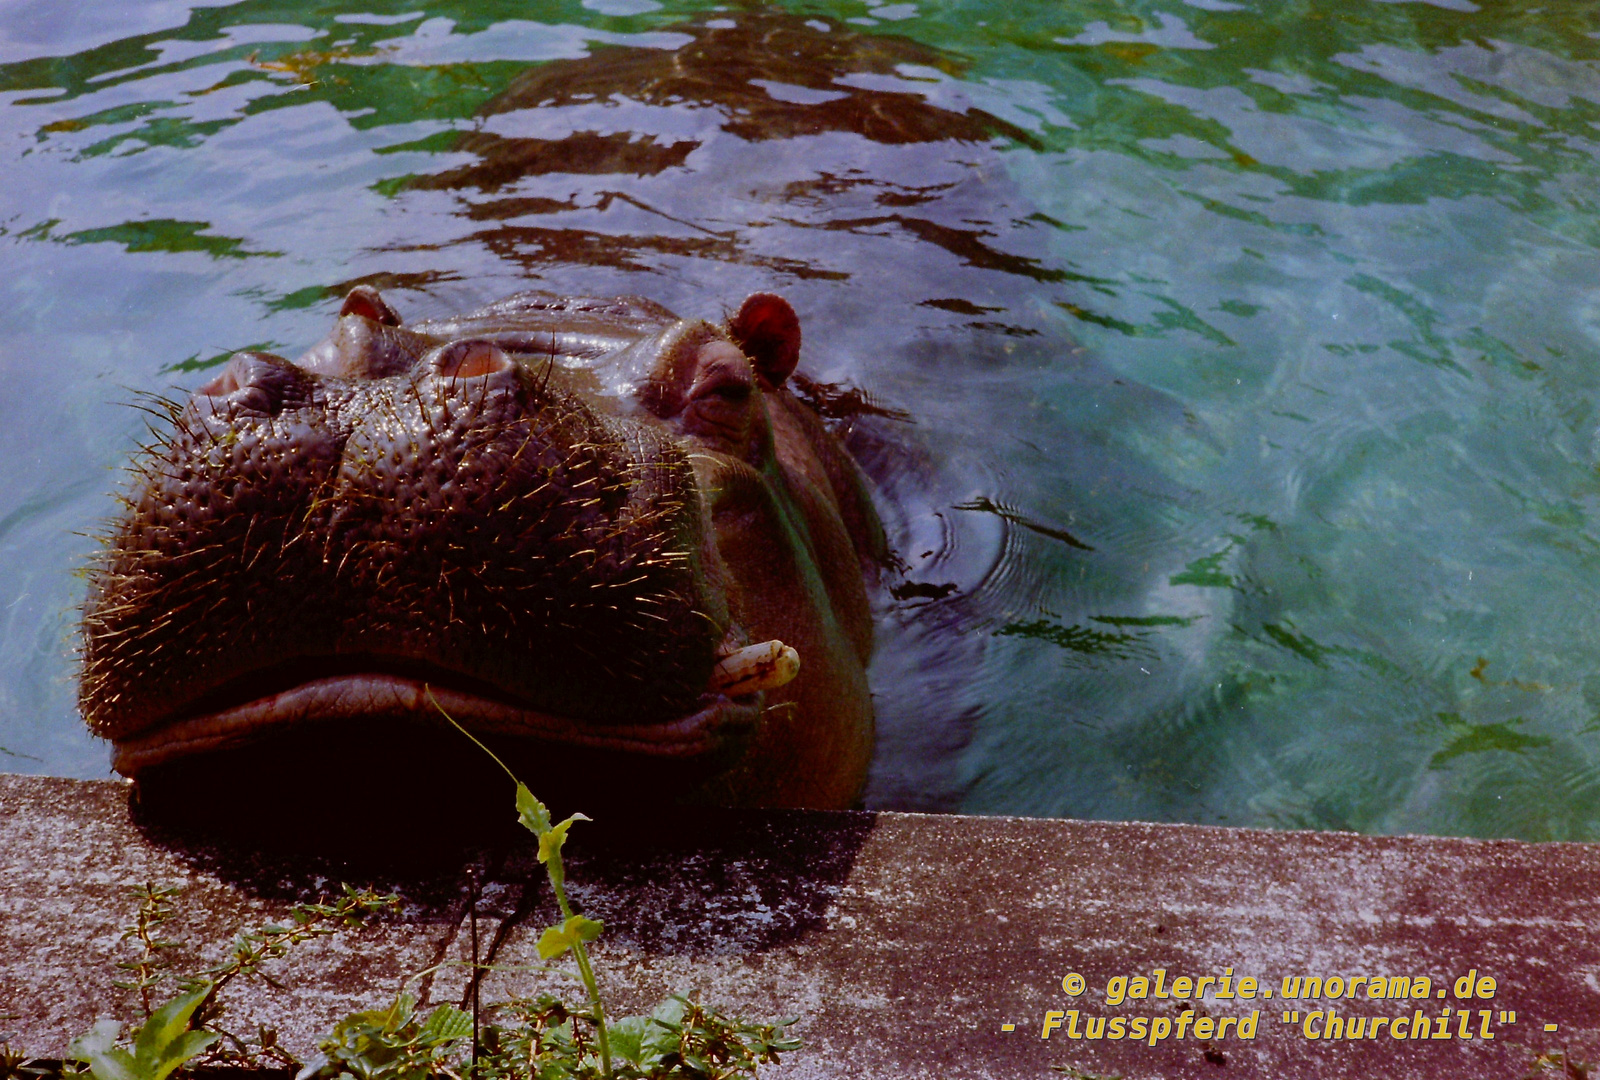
(903, 942)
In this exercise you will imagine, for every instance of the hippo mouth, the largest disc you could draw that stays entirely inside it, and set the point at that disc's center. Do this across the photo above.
(269, 705)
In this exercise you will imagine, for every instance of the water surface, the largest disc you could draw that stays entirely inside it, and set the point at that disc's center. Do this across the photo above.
(1247, 350)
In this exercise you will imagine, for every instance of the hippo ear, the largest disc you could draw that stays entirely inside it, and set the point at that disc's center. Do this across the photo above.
(768, 331)
(367, 302)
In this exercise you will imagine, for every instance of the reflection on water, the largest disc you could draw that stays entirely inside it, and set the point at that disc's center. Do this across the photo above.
(1226, 369)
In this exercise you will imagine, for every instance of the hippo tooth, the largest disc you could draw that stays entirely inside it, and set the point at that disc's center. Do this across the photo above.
(754, 668)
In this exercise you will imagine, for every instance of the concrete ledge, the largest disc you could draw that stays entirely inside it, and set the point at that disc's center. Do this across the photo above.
(904, 942)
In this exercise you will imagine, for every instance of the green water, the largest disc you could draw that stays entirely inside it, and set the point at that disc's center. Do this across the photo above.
(1250, 346)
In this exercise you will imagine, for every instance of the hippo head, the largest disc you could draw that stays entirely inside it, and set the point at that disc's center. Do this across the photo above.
(580, 526)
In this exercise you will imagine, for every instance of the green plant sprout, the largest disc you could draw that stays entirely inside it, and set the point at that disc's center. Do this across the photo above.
(148, 968)
(679, 1040)
(574, 931)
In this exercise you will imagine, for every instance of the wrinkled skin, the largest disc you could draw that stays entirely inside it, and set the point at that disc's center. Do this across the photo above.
(553, 514)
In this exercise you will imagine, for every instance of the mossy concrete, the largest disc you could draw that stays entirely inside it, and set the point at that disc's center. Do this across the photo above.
(903, 942)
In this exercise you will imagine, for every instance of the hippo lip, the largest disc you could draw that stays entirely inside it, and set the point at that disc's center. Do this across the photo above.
(342, 698)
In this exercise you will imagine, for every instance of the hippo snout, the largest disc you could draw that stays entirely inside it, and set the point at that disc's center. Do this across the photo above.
(511, 515)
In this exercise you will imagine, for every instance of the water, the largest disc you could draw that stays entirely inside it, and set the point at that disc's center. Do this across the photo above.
(1249, 347)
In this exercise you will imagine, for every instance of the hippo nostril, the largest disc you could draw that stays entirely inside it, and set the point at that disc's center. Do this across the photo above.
(367, 302)
(470, 359)
(254, 381)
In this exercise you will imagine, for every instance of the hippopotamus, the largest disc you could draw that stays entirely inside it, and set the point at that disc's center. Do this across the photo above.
(610, 543)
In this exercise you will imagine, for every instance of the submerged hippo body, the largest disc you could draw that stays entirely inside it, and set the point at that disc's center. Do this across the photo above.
(556, 515)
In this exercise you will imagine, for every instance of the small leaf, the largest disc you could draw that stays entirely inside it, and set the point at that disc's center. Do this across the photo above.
(115, 1064)
(552, 840)
(312, 1067)
(97, 1040)
(555, 941)
(187, 1045)
(669, 1013)
(535, 816)
(630, 1037)
(660, 1039)
(398, 1015)
(446, 1024)
(165, 1025)
(558, 939)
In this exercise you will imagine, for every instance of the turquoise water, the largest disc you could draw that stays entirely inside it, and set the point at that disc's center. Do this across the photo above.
(1249, 349)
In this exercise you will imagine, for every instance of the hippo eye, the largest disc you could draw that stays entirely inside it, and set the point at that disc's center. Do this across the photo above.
(719, 404)
(723, 383)
(732, 391)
